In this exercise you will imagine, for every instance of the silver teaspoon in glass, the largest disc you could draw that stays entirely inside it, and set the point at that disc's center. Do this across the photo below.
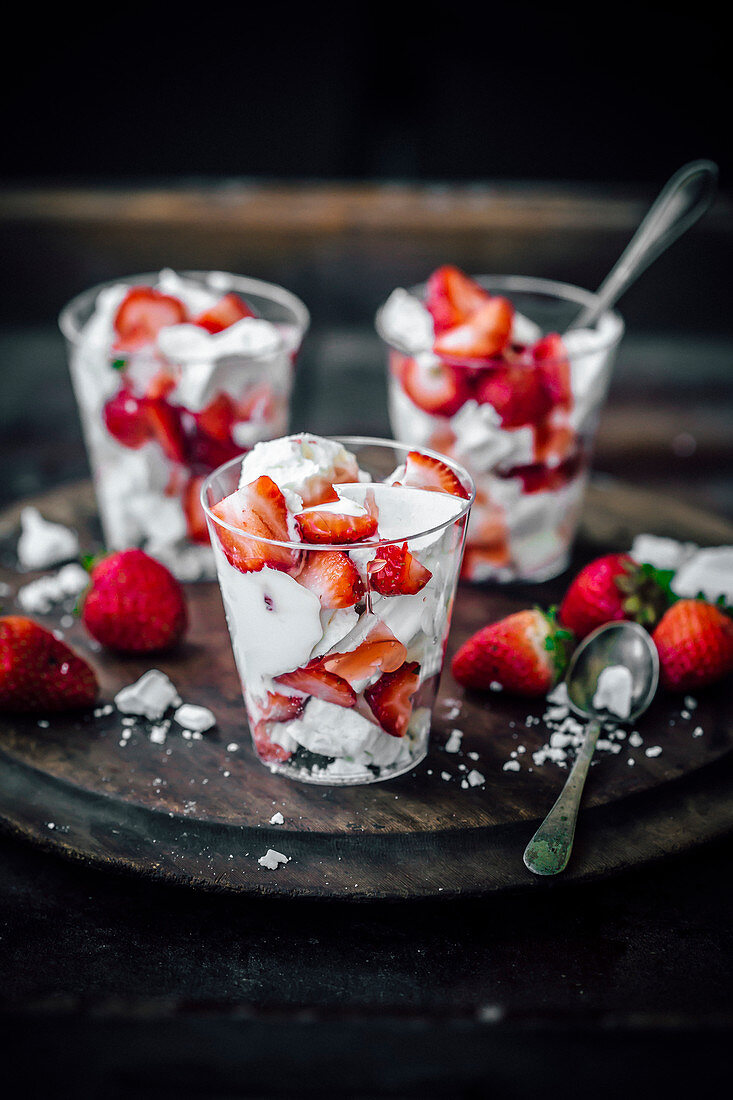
(623, 643)
(683, 199)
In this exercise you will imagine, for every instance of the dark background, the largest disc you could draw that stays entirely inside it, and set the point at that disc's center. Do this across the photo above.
(623, 93)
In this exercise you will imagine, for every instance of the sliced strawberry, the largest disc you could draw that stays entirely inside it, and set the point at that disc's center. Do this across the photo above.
(257, 404)
(539, 478)
(161, 385)
(225, 312)
(452, 297)
(166, 428)
(194, 512)
(267, 750)
(552, 361)
(379, 652)
(142, 313)
(258, 510)
(217, 418)
(282, 708)
(426, 472)
(334, 578)
(125, 419)
(318, 681)
(390, 699)
(484, 335)
(322, 525)
(436, 387)
(400, 574)
(517, 393)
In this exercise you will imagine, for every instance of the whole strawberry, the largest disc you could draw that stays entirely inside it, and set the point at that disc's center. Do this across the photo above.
(612, 588)
(525, 652)
(695, 644)
(38, 672)
(134, 604)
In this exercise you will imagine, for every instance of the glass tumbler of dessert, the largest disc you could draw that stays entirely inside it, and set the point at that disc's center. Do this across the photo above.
(174, 374)
(338, 561)
(485, 371)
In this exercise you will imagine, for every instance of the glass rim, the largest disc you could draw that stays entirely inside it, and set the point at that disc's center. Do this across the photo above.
(354, 440)
(72, 330)
(551, 288)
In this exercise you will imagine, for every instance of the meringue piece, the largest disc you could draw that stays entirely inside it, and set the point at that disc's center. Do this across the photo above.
(149, 697)
(43, 543)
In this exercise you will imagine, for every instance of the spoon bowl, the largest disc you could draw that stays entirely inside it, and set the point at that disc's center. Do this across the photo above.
(615, 644)
(622, 643)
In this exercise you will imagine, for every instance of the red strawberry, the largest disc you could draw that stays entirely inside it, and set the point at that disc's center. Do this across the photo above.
(258, 510)
(165, 427)
(225, 312)
(267, 750)
(380, 651)
(323, 525)
(524, 652)
(125, 419)
(142, 314)
(694, 640)
(217, 418)
(426, 472)
(609, 589)
(334, 578)
(390, 698)
(552, 362)
(282, 708)
(134, 604)
(400, 574)
(517, 393)
(437, 388)
(484, 335)
(193, 510)
(316, 680)
(161, 384)
(452, 297)
(39, 673)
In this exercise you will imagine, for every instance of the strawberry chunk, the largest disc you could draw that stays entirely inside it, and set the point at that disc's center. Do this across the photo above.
(484, 335)
(379, 652)
(316, 680)
(193, 510)
(228, 310)
(125, 419)
(452, 297)
(518, 394)
(282, 708)
(436, 387)
(166, 428)
(334, 578)
(268, 751)
(257, 510)
(390, 698)
(554, 369)
(397, 572)
(427, 472)
(322, 525)
(141, 315)
(216, 418)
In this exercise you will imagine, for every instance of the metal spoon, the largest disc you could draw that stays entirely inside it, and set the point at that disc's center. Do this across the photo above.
(680, 203)
(622, 643)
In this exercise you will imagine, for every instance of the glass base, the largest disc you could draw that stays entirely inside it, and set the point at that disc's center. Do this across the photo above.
(321, 778)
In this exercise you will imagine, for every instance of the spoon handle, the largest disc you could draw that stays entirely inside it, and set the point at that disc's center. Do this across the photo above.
(683, 199)
(549, 849)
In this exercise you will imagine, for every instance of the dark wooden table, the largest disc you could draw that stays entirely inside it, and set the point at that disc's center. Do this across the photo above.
(110, 986)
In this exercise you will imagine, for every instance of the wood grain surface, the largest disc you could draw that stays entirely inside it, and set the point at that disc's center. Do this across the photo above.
(198, 811)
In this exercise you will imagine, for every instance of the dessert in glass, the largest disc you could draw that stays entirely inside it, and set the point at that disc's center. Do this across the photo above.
(338, 561)
(478, 370)
(174, 374)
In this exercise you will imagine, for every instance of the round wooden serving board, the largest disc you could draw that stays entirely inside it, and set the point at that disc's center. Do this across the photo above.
(197, 812)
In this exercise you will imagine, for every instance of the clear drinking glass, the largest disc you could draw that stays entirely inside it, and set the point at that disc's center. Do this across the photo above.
(530, 468)
(160, 414)
(385, 653)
